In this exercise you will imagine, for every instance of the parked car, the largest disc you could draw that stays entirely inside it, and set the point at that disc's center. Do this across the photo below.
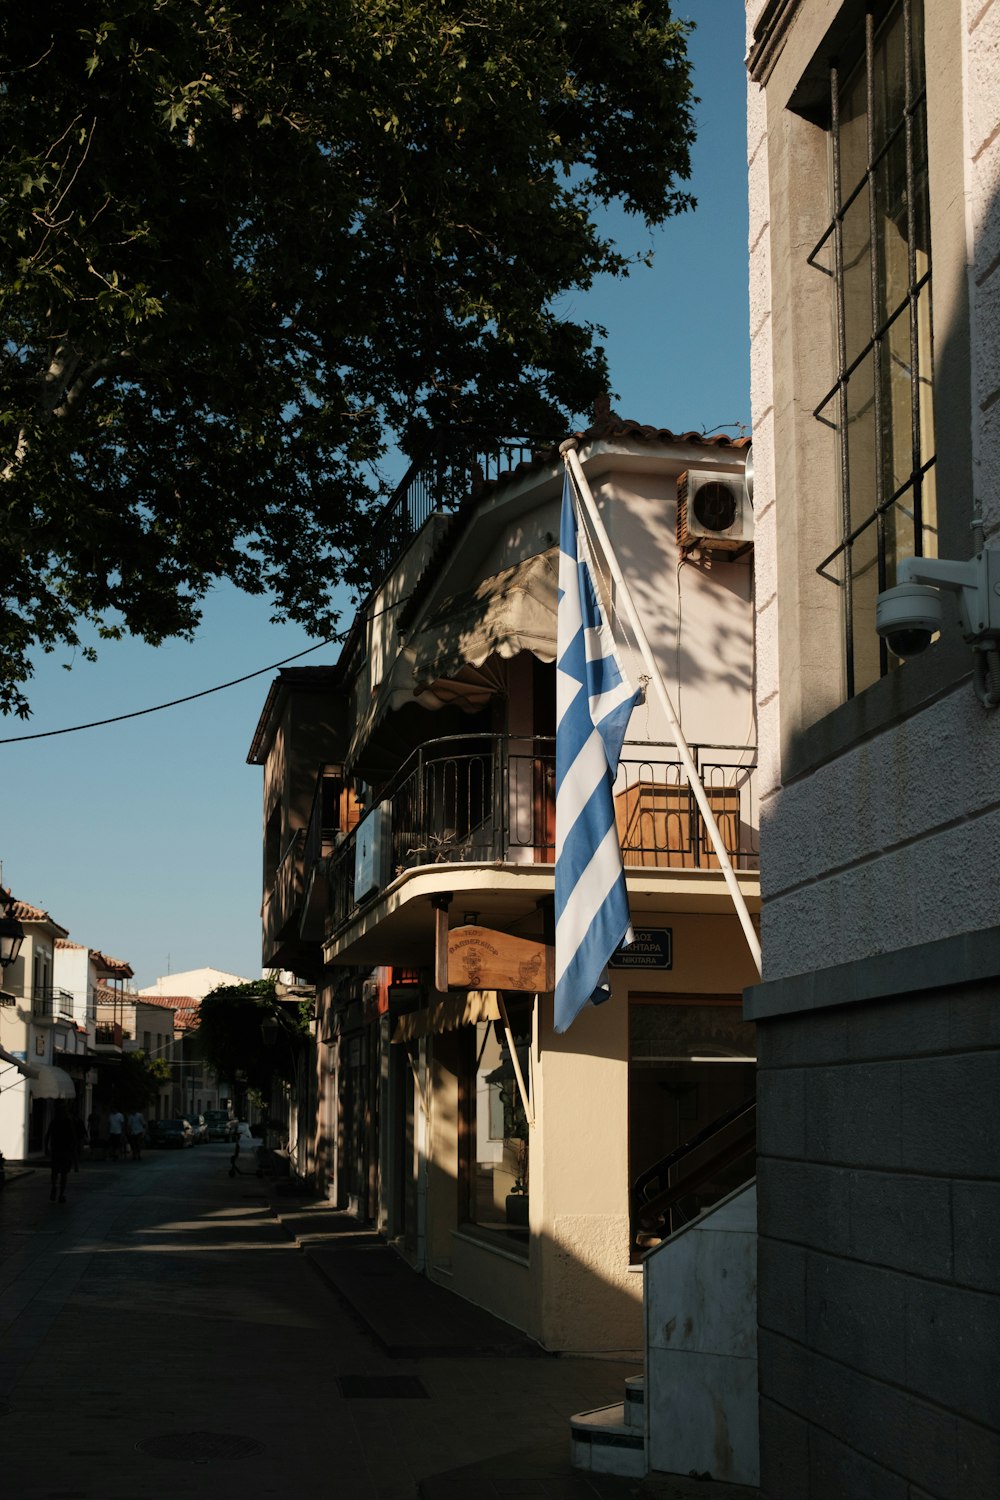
(199, 1127)
(169, 1133)
(222, 1126)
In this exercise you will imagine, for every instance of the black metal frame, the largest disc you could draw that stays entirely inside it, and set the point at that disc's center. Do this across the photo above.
(876, 14)
(440, 480)
(483, 798)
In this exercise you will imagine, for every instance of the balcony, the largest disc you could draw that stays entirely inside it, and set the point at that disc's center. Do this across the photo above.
(281, 904)
(49, 1003)
(490, 800)
(439, 481)
(108, 1034)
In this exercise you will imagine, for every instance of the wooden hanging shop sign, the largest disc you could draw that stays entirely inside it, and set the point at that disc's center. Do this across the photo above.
(481, 959)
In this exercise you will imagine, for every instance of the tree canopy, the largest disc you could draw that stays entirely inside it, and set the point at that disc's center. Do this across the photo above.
(231, 1036)
(246, 243)
(138, 1079)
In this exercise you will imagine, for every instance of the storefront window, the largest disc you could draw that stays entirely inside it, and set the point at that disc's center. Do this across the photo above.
(496, 1177)
(691, 1066)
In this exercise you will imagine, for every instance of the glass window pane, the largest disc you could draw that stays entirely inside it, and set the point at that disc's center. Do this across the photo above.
(864, 589)
(857, 276)
(861, 445)
(853, 132)
(897, 414)
(889, 77)
(893, 222)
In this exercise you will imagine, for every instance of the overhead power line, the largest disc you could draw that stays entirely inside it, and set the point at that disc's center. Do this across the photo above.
(137, 713)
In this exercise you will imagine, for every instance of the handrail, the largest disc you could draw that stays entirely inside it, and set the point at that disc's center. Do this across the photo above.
(655, 1209)
(439, 479)
(649, 1208)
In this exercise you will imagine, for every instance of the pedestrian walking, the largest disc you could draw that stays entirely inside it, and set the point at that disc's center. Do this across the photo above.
(136, 1134)
(60, 1143)
(116, 1133)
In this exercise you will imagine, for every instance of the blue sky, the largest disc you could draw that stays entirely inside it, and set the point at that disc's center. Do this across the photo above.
(144, 837)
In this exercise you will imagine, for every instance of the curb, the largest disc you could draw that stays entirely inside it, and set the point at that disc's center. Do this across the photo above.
(10, 1177)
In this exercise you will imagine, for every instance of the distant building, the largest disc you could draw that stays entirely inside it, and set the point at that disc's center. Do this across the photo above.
(196, 982)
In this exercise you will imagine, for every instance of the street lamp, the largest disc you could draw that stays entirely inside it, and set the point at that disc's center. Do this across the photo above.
(11, 931)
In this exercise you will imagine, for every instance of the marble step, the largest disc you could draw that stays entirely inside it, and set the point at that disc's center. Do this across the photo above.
(603, 1440)
(635, 1402)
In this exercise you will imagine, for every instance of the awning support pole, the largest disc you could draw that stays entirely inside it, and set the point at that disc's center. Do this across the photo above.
(572, 461)
(415, 1070)
(525, 1101)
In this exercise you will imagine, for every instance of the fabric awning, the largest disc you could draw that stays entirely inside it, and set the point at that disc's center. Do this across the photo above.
(503, 615)
(447, 1013)
(455, 656)
(52, 1083)
(16, 1062)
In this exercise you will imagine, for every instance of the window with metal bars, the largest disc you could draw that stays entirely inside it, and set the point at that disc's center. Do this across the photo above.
(876, 252)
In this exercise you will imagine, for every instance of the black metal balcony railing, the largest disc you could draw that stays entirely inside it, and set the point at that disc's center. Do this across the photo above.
(281, 899)
(491, 799)
(48, 1002)
(439, 481)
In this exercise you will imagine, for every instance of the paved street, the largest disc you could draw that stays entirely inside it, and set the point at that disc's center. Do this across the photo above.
(163, 1335)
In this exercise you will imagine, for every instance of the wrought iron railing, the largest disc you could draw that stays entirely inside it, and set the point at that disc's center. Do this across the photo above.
(47, 1001)
(439, 481)
(491, 799)
(677, 1189)
(281, 900)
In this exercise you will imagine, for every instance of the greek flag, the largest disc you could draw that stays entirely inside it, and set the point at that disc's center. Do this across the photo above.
(594, 702)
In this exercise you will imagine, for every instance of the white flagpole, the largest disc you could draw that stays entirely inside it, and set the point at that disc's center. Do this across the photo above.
(572, 461)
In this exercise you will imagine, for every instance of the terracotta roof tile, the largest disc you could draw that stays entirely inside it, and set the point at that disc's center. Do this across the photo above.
(117, 966)
(24, 912)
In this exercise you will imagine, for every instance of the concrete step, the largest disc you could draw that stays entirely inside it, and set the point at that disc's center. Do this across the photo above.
(635, 1402)
(604, 1442)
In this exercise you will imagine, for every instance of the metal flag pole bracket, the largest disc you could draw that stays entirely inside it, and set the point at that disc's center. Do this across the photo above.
(584, 494)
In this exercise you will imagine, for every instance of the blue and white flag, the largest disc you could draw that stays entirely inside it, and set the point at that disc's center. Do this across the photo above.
(594, 701)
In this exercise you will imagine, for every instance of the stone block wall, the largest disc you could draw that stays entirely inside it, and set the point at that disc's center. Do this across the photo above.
(879, 1249)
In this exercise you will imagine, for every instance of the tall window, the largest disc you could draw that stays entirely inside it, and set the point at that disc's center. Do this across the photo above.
(494, 1180)
(876, 251)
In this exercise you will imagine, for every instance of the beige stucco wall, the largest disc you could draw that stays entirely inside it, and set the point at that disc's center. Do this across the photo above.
(577, 1289)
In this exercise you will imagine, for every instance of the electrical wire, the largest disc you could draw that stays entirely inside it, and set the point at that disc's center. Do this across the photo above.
(156, 708)
(333, 640)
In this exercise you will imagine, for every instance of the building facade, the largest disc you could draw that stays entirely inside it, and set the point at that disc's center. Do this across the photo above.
(38, 1022)
(874, 168)
(409, 796)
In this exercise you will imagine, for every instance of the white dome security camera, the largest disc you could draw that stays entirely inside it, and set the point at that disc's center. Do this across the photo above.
(910, 614)
(908, 617)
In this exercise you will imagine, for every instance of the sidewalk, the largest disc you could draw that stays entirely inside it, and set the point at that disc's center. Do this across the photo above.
(15, 1169)
(206, 1335)
(412, 1318)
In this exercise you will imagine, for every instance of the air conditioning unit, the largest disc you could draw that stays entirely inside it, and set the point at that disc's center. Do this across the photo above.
(373, 851)
(713, 510)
